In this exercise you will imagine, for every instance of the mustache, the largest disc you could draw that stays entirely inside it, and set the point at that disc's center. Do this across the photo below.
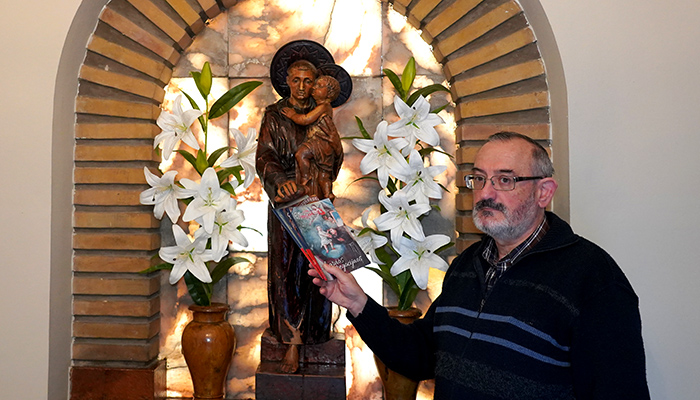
(489, 203)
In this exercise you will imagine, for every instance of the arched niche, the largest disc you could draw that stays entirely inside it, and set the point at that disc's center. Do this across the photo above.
(499, 76)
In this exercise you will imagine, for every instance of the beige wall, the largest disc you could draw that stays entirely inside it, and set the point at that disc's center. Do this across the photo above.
(35, 328)
(633, 95)
(634, 138)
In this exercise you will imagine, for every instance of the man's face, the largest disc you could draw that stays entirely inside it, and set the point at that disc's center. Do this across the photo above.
(507, 216)
(300, 82)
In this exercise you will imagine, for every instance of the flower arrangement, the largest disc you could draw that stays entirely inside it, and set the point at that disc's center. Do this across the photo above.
(399, 154)
(210, 202)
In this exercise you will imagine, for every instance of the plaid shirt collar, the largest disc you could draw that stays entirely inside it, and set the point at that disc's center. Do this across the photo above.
(498, 267)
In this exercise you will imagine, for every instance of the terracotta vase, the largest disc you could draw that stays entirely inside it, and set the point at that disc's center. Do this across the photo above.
(208, 343)
(397, 386)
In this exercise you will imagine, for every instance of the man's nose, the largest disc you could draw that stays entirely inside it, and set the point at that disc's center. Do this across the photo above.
(488, 192)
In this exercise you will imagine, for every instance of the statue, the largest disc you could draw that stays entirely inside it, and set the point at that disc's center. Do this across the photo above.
(298, 313)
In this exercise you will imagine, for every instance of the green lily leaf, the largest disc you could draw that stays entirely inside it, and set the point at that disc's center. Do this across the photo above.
(362, 178)
(445, 247)
(201, 163)
(229, 188)
(225, 173)
(200, 292)
(437, 110)
(396, 82)
(424, 151)
(203, 80)
(361, 126)
(231, 98)
(391, 186)
(202, 118)
(366, 230)
(408, 296)
(222, 267)
(191, 100)
(240, 228)
(215, 156)
(189, 157)
(158, 267)
(408, 75)
(425, 92)
(387, 278)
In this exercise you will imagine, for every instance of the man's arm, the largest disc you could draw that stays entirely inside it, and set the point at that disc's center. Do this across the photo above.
(405, 349)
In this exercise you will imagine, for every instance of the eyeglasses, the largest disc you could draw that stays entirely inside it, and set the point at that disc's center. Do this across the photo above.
(503, 182)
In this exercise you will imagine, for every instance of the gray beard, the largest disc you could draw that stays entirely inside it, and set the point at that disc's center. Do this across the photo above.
(512, 227)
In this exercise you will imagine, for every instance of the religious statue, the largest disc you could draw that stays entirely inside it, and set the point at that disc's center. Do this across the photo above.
(296, 159)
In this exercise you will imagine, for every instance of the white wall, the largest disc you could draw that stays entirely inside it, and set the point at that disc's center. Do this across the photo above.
(35, 196)
(634, 117)
(634, 137)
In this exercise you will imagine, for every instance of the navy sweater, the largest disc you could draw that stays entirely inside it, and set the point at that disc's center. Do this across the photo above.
(562, 323)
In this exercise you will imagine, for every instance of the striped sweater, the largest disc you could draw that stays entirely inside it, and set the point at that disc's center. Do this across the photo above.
(562, 323)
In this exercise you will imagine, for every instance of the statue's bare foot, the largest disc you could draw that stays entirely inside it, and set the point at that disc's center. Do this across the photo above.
(290, 363)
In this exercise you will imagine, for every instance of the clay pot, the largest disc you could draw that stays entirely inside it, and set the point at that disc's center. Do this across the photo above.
(397, 386)
(208, 343)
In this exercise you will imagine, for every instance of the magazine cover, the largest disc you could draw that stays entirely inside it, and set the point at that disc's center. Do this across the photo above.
(327, 236)
(284, 214)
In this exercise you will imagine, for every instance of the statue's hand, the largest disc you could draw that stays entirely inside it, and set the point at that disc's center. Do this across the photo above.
(287, 112)
(286, 192)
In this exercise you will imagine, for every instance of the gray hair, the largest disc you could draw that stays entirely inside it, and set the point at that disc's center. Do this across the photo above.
(541, 163)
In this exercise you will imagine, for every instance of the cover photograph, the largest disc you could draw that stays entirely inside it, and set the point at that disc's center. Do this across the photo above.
(325, 233)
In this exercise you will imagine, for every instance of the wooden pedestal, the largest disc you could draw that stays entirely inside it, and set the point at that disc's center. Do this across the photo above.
(321, 372)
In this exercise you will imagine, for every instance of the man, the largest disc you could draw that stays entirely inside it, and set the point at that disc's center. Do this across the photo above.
(532, 311)
(298, 313)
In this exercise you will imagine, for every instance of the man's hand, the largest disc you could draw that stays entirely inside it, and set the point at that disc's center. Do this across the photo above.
(286, 192)
(343, 290)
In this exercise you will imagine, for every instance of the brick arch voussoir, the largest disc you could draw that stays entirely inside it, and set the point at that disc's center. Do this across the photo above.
(130, 59)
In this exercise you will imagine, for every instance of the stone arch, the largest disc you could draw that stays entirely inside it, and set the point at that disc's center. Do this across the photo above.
(489, 54)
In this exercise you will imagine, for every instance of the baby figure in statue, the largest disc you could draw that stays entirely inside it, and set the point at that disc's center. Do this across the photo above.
(322, 145)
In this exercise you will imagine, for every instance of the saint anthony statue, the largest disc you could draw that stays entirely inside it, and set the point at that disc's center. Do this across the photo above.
(298, 313)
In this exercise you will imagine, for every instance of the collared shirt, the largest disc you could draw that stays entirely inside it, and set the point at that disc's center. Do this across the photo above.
(498, 267)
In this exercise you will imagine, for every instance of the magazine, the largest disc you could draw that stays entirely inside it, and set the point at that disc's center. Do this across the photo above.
(283, 213)
(327, 236)
(321, 234)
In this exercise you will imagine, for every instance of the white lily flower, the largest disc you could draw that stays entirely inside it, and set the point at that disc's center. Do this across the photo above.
(419, 256)
(163, 194)
(176, 127)
(416, 123)
(421, 183)
(244, 155)
(226, 225)
(401, 216)
(187, 255)
(370, 241)
(209, 200)
(382, 154)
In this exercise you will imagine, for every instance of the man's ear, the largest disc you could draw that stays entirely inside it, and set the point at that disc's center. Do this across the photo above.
(545, 191)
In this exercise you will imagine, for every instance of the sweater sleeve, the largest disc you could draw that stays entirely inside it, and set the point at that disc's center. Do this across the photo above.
(607, 350)
(406, 349)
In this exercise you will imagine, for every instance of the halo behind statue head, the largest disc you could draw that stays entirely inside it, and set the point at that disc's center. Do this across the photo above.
(316, 54)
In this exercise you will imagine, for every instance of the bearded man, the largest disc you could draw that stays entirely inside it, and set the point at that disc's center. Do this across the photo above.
(532, 311)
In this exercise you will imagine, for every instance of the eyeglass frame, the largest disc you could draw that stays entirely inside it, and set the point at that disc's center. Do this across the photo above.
(515, 179)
